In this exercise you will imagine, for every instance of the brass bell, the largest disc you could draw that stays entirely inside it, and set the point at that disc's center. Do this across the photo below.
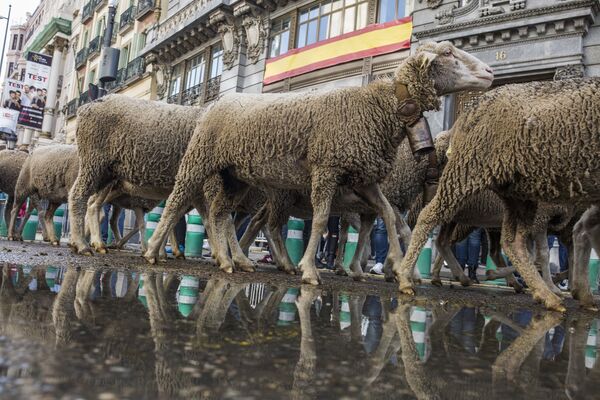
(419, 137)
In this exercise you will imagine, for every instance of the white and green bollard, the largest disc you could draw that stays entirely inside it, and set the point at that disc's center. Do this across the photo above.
(295, 241)
(51, 275)
(58, 220)
(31, 226)
(350, 249)
(194, 234)
(345, 317)
(593, 271)
(152, 220)
(187, 294)
(287, 307)
(418, 322)
(591, 352)
(142, 292)
(3, 226)
(424, 260)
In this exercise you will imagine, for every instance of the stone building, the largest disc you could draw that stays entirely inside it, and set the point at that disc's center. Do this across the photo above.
(523, 40)
(15, 65)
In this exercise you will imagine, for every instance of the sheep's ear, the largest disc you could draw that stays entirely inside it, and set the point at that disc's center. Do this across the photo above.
(426, 58)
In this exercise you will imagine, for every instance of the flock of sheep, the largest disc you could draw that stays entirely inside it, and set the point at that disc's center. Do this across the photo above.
(521, 164)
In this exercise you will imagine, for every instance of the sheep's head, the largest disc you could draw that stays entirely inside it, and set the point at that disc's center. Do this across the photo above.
(452, 69)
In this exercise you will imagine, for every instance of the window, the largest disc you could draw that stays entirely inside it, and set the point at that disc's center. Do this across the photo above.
(85, 39)
(20, 41)
(176, 80)
(329, 19)
(22, 78)
(14, 42)
(280, 37)
(196, 70)
(11, 66)
(390, 10)
(216, 62)
(92, 77)
(124, 58)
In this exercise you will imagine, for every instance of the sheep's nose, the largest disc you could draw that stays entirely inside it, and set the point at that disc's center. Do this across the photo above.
(490, 70)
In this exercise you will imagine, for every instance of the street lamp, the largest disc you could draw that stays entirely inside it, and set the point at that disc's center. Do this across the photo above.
(109, 57)
(5, 35)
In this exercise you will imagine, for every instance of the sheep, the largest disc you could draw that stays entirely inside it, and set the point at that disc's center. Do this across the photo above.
(47, 173)
(11, 162)
(346, 138)
(134, 143)
(529, 143)
(586, 236)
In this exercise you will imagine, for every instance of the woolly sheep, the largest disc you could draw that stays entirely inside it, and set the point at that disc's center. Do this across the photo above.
(529, 143)
(47, 173)
(312, 141)
(11, 162)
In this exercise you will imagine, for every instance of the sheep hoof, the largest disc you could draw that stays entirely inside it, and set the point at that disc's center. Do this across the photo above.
(409, 290)
(311, 280)
(464, 281)
(551, 302)
(287, 270)
(180, 256)
(517, 286)
(55, 243)
(390, 278)
(245, 267)
(227, 268)
(584, 297)
(340, 271)
(358, 277)
(437, 282)
(86, 251)
(151, 259)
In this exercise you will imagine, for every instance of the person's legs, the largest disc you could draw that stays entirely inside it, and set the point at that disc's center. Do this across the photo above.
(474, 249)
(104, 226)
(333, 233)
(461, 252)
(380, 243)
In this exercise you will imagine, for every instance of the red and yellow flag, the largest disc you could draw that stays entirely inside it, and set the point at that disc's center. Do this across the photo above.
(370, 41)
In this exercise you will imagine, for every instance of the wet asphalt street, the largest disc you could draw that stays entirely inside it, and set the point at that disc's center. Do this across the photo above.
(113, 327)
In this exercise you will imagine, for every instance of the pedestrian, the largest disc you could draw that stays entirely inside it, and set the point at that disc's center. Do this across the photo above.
(467, 253)
(380, 243)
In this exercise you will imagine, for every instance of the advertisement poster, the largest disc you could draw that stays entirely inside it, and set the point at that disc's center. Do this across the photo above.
(32, 96)
(8, 120)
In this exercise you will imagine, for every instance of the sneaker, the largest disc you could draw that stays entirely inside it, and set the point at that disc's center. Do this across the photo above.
(564, 284)
(267, 259)
(377, 269)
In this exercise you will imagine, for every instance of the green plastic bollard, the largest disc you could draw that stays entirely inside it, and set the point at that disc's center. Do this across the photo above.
(31, 226)
(593, 271)
(295, 242)
(58, 220)
(350, 249)
(287, 307)
(152, 220)
(491, 266)
(591, 352)
(424, 260)
(188, 294)
(194, 235)
(345, 317)
(418, 320)
(142, 292)
(3, 226)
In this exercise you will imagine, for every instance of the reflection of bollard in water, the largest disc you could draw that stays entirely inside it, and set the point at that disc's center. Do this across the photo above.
(345, 317)
(424, 260)
(31, 226)
(3, 226)
(51, 275)
(142, 292)
(418, 318)
(287, 307)
(593, 271)
(295, 242)
(491, 266)
(554, 258)
(58, 219)
(194, 234)
(350, 248)
(188, 294)
(591, 352)
(152, 220)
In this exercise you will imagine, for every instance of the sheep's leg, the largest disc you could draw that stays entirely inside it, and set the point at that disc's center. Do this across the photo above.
(542, 260)
(586, 234)
(124, 239)
(8, 209)
(14, 233)
(444, 246)
(404, 232)
(48, 222)
(114, 223)
(373, 195)
(494, 241)
(514, 240)
(87, 183)
(366, 225)
(342, 240)
(277, 217)
(323, 190)
(174, 246)
(95, 215)
(436, 269)
(256, 223)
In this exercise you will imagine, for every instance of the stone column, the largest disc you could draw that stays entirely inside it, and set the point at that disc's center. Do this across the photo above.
(55, 72)
(27, 136)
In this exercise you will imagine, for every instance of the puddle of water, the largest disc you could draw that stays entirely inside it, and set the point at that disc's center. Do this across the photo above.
(68, 333)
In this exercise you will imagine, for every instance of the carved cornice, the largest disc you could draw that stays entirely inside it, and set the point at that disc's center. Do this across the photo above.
(432, 3)
(569, 72)
(162, 73)
(496, 19)
(255, 22)
(225, 23)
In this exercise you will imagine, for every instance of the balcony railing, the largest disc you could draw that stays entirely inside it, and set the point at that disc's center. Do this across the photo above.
(83, 99)
(135, 68)
(94, 46)
(143, 8)
(127, 18)
(213, 87)
(110, 86)
(72, 108)
(87, 12)
(173, 99)
(191, 95)
(81, 57)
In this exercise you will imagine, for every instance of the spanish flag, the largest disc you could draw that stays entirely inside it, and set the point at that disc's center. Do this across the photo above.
(373, 40)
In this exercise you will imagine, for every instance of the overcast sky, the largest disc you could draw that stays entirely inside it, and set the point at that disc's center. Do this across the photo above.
(17, 16)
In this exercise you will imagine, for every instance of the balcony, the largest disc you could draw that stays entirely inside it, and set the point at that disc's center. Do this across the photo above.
(135, 68)
(94, 46)
(173, 99)
(190, 96)
(110, 86)
(84, 98)
(71, 108)
(213, 87)
(143, 8)
(81, 58)
(127, 19)
(98, 4)
(88, 12)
